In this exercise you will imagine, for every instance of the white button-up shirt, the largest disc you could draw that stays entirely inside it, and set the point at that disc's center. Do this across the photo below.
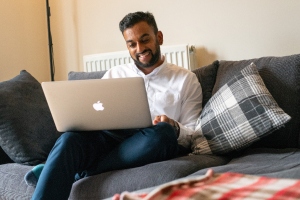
(172, 91)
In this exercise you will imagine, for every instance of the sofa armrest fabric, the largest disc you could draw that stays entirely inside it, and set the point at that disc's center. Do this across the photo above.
(281, 76)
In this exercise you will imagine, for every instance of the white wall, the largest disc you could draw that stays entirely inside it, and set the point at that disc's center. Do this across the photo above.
(220, 29)
(23, 39)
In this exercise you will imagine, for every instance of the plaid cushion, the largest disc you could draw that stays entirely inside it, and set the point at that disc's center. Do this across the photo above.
(241, 112)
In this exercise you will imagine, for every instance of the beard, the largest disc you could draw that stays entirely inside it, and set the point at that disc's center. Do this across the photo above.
(154, 57)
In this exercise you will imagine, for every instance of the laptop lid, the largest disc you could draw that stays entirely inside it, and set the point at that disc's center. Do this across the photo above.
(98, 104)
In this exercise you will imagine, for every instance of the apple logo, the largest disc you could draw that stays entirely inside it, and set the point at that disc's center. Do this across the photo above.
(98, 106)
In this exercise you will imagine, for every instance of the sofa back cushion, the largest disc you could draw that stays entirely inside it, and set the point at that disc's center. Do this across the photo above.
(281, 76)
(207, 77)
(85, 75)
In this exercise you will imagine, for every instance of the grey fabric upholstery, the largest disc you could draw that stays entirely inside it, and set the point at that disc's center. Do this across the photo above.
(278, 163)
(109, 183)
(27, 130)
(281, 76)
(85, 75)
(12, 184)
(207, 78)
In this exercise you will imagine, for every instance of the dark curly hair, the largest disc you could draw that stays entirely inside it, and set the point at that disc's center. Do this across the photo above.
(133, 18)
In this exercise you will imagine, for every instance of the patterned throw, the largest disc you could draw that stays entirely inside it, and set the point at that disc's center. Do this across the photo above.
(221, 186)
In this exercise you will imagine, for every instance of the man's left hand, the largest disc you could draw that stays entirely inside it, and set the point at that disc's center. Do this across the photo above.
(163, 118)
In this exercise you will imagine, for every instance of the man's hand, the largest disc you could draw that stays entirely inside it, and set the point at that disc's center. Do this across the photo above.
(163, 118)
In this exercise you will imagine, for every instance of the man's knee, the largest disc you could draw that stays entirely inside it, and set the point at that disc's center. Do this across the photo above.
(165, 131)
(165, 142)
(161, 138)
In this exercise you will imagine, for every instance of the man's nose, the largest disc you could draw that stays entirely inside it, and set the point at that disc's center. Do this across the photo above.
(140, 47)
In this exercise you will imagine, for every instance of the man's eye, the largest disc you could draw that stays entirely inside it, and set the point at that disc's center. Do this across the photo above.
(145, 40)
(131, 45)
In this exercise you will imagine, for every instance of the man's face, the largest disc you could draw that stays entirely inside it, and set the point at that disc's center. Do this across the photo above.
(143, 45)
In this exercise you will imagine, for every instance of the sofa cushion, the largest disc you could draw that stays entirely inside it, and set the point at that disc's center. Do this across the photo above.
(85, 75)
(240, 112)
(277, 163)
(13, 186)
(107, 184)
(281, 76)
(12, 183)
(27, 130)
(207, 78)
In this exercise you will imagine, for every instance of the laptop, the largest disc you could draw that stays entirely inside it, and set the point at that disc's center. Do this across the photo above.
(98, 104)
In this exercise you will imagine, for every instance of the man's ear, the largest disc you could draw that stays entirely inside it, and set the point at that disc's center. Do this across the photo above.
(160, 37)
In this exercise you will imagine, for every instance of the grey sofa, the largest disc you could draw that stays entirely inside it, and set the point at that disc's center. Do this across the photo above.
(275, 155)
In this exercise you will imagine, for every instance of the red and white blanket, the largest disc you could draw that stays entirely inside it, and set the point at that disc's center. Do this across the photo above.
(221, 186)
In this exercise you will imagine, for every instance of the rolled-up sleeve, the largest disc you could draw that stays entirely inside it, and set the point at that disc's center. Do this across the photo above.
(190, 110)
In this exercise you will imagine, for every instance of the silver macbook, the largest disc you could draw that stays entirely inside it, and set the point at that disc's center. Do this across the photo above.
(98, 104)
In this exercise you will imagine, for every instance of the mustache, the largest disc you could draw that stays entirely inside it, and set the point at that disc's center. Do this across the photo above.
(146, 50)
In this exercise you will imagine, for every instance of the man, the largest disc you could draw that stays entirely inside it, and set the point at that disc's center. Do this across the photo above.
(174, 96)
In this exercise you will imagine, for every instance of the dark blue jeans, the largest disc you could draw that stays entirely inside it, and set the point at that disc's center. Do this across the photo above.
(80, 154)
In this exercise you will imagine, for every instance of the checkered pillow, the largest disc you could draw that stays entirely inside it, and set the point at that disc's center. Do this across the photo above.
(239, 113)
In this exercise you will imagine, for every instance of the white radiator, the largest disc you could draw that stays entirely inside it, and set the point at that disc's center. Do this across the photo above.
(181, 55)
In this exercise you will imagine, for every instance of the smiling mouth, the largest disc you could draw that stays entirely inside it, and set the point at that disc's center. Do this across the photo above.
(144, 54)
